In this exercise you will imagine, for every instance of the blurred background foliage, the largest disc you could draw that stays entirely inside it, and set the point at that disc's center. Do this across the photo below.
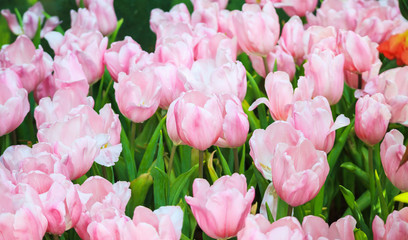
(135, 13)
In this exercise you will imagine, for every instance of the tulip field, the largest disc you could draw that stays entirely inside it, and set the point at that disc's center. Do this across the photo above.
(204, 119)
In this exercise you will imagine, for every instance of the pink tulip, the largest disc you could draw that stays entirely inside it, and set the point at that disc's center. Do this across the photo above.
(88, 47)
(298, 172)
(221, 209)
(212, 46)
(197, 114)
(359, 52)
(321, 38)
(31, 19)
(325, 70)
(83, 21)
(138, 95)
(284, 62)
(258, 228)
(395, 91)
(396, 226)
(225, 24)
(314, 118)
(316, 228)
(159, 19)
(198, 4)
(216, 76)
(271, 198)
(253, 25)
(117, 58)
(14, 104)
(264, 143)
(164, 223)
(235, 125)
(21, 215)
(297, 7)
(31, 65)
(392, 150)
(171, 125)
(206, 14)
(292, 35)
(102, 200)
(176, 50)
(105, 14)
(371, 111)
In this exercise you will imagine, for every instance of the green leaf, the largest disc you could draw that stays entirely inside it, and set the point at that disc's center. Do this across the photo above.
(253, 120)
(148, 156)
(128, 156)
(210, 166)
(37, 36)
(180, 184)
(139, 188)
(224, 163)
(161, 186)
(242, 163)
(317, 202)
(269, 213)
(338, 147)
(403, 5)
(403, 197)
(383, 203)
(357, 171)
(282, 209)
(360, 235)
(160, 153)
(112, 38)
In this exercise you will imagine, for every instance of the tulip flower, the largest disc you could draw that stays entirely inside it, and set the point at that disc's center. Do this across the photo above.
(14, 104)
(83, 21)
(221, 209)
(392, 150)
(316, 228)
(235, 124)
(118, 57)
(292, 35)
(258, 227)
(325, 70)
(270, 198)
(297, 7)
(33, 17)
(298, 172)
(138, 95)
(159, 19)
(253, 25)
(396, 226)
(105, 14)
(176, 50)
(263, 144)
(205, 13)
(31, 65)
(197, 114)
(217, 44)
(320, 38)
(314, 118)
(395, 48)
(371, 111)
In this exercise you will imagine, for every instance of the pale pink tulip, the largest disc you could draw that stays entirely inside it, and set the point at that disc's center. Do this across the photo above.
(263, 144)
(271, 198)
(206, 14)
(297, 7)
(314, 118)
(102, 200)
(14, 104)
(159, 19)
(221, 209)
(225, 24)
(292, 35)
(212, 46)
(253, 25)
(21, 215)
(325, 72)
(392, 150)
(117, 58)
(31, 65)
(396, 226)
(321, 38)
(171, 125)
(138, 95)
(88, 47)
(316, 228)
(235, 125)
(259, 228)
(83, 21)
(197, 114)
(33, 17)
(359, 52)
(163, 223)
(198, 4)
(105, 14)
(371, 111)
(176, 50)
(216, 76)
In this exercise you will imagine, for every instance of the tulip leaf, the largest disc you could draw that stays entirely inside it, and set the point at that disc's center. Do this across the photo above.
(160, 153)
(403, 5)
(383, 204)
(180, 184)
(359, 235)
(224, 163)
(210, 166)
(362, 175)
(338, 147)
(148, 156)
(128, 155)
(350, 200)
(161, 186)
(113, 36)
(282, 209)
(253, 120)
(317, 202)
(269, 213)
(37, 37)
(403, 197)
(139, 188)
(242, 163)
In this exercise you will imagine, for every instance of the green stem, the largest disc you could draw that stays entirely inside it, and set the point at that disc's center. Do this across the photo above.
(236, 159)
(290, 208)
(265, 62)
(104, 174)
(132, 137)
(200, 164)
(170, 167)
(372, 180)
